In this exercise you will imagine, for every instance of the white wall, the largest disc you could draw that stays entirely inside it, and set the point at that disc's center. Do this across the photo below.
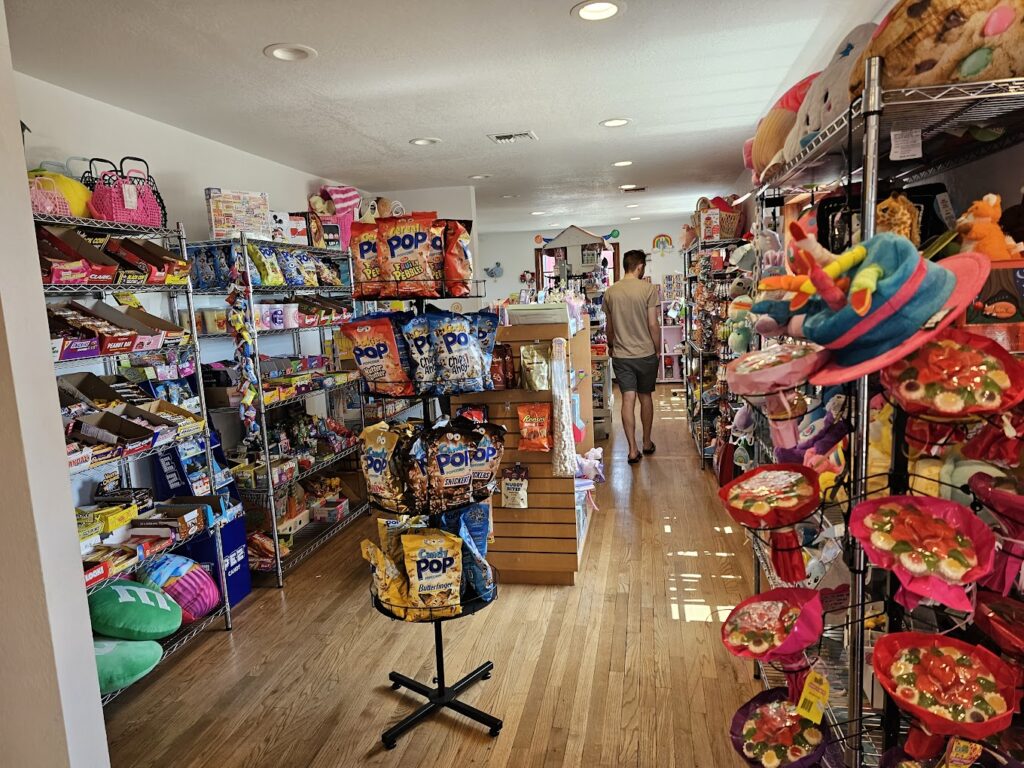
(65, 123)
(515, 250)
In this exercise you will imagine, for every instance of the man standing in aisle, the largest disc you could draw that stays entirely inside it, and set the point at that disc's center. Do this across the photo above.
(631, 306)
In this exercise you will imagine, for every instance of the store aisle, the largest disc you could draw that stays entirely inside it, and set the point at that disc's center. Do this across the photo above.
(626, 669)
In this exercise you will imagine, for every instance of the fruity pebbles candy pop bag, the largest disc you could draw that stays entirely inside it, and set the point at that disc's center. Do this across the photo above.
(433, 560)
(403, 254)
(378, 355)
(460, 366)
(363, 245)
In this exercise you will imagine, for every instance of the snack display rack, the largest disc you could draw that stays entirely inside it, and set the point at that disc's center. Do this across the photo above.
(856, 148)
(266, 502)
(126, 466)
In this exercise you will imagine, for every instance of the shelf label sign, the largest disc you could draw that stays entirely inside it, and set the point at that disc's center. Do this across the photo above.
(127, 299)
(905, 145)
(814, 698)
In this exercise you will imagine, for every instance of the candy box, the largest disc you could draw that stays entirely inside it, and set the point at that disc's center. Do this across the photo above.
(173, 334)
(79, 456)
(60, 269)
(146, 338)
(112, 560)
(183, 520)
(147, 546)
(153, 271)
(89, 388)
(294, 524)
(95, 572)
(101, 267)
(212, 507)
(188, 424)
(164, 430)
(110, 428)
(331, 510)
(113, 517)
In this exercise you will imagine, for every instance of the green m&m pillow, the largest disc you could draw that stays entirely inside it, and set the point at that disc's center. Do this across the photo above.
(129, 611)
(121, 662)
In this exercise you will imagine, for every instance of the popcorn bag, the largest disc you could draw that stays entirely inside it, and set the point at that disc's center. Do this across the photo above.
(378, 356)
(363, 245)
(403, 256)
(433, 560)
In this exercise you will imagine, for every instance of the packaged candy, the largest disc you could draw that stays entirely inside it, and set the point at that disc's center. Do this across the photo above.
(535, 427)
(436, 255)
(449, 465)
(769, 731)
(391, 585)
(534, 366)
(378, 355)
(363, 245)
(266, 264)
(390, 533)
(403, 254)
(414, 473)
(486, 326)
(458, 260)
(486, 459)
(290, 269)
(456, 352)
(475, 413)
(477, 520)
(307, 268)
(379, 467)
(477, 574)
(433, 560)
(515, 485)
(325, 274)
(417, 335)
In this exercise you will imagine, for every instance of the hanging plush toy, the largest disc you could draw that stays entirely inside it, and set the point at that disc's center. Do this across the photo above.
(981, 233)
(739, 320)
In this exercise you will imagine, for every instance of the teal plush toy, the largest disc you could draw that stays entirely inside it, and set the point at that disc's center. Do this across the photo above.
(740, 324)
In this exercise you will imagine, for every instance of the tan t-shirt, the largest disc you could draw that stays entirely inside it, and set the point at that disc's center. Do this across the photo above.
(627, 303)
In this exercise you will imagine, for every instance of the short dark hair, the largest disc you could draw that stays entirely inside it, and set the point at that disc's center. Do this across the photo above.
(633, 259)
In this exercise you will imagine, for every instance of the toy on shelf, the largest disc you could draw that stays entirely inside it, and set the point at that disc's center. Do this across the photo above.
(980, 231)
(774, 128)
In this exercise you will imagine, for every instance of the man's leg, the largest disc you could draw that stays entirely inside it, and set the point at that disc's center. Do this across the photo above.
(646, 417)
(629, 420)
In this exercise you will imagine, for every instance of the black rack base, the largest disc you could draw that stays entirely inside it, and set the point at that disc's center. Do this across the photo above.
(441, 697)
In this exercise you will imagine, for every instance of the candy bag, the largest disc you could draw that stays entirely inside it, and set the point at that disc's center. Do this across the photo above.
(289, 265)
(486, 459)
(392, 589)
(485, 324)
(378, 355)
(325, 274)
(403, 248)
(477, 520)
(535, 427)
(515, 485)
(266, 264)
(456, 352)
(390, 533)
(377, 462)
(534, 368)
(414, 473)
(363, 245)
(436, 254)
(449, 465)
(477, 574)
(458, 260)
(417, 335)
(307, 268)
(433, 560)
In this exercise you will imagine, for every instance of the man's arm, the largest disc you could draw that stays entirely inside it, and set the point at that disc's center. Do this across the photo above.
(609, 328)
(654, 327)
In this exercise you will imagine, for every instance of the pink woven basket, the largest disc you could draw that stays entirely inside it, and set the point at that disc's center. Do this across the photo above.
(126, 199)
(46, 197)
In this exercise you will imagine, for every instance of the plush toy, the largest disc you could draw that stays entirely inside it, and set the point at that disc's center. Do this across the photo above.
(930, 42)
(897, 214)
(981, 233)
(774, 127)
(829, 95)
(739, 323)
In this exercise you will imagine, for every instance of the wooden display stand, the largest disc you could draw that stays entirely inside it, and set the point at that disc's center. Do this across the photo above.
(542, 544)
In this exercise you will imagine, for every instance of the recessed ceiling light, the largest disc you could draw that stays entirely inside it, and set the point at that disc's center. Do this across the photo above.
(289, 52)
(554, 226)
(593, 11)
(615, 122)
(538, 213)
(509, 197)
(634, 218)
(633, 205)
(622, 163)
(627, 186)
(479, 176)
(426, 141)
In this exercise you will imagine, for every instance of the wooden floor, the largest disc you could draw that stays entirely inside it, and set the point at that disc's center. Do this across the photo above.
(625, 669)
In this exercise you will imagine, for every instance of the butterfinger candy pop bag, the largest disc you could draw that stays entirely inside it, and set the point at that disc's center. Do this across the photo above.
(377, 463)
(363, 246)
(460, 365)
(535, 427)
(458, 260)
(392, 587)
(403, 253)
(433, 560)
(377, 353)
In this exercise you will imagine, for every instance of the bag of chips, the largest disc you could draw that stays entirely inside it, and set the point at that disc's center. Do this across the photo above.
(265, 261)
(456, 353)
(378, 355)
(449, 465)
(403, 254)
(363, 245)
(485, 324)
(535, 427)
(289, 265)
(433, 560)
(436, 255)
(391, 585)
(534, 367)
(377, 461)
(417, 335)
(458, 260)
(308, 269)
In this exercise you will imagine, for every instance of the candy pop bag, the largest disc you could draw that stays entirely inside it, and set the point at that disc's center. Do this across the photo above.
(433, 560)
(458, 260)
(377, 461)
(266, 264)
(391, 532)
(460, 365)
(378, 355)
(436, 255)
(417, 335)
(449, 465)
(391, 586)
(403, 254)
(364, 261)
(485, 324)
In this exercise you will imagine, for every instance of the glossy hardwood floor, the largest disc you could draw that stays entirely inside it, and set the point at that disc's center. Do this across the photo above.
(625, 669)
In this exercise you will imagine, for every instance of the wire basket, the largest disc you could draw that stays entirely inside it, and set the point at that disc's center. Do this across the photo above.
(423, 614)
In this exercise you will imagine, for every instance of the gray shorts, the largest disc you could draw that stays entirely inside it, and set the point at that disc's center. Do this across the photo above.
(636, 374)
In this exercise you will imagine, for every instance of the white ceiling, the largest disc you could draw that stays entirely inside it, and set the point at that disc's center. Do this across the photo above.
(693, 76)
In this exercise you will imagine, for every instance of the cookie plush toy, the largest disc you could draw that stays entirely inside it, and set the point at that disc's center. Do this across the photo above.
(929, 42)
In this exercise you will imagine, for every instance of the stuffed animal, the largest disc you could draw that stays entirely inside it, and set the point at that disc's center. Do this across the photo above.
(979, 228)
(770, 138)
(739, 323)
(1012, 220)
(930, 42)
(829, 95)
(898, 215)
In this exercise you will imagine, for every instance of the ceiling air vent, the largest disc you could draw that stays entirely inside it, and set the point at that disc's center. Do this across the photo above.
(635, 189)
(512, 138)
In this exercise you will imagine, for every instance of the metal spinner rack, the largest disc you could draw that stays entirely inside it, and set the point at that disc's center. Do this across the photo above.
(854, 147)
(316, 534)
(125, 465)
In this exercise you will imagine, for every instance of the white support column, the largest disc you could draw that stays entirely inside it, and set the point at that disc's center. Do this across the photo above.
(50, 712)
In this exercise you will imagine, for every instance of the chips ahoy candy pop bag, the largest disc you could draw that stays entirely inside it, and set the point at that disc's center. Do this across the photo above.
(460, 365)
(403, 254)
(378, 355)
(417, 335)
(364, 261)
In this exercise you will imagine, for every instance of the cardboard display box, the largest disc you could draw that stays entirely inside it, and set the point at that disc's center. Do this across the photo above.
(164, 430)
(173, 334)
(111, 429)
(102, 268)
(146, 337)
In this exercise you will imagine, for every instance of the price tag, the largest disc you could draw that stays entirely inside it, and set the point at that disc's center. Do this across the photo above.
(127, 299)
(961, 753)
(131, 196)
(814, 698)
(905, 145)
(946, 212)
